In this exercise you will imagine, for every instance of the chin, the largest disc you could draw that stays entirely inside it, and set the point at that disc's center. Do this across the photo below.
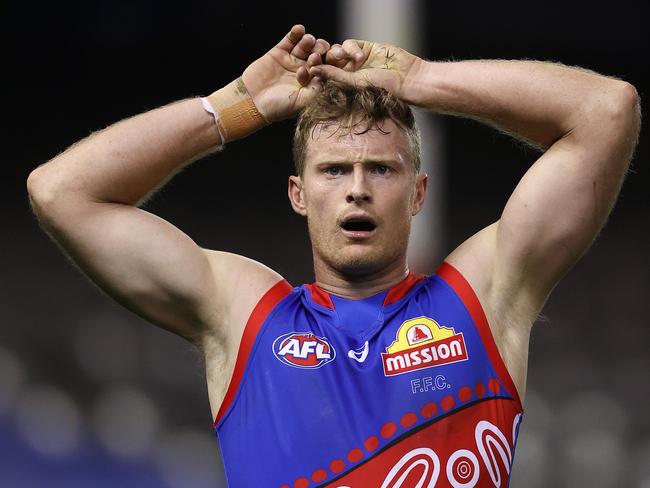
(362, 259)
(359, 265)
(357, 268)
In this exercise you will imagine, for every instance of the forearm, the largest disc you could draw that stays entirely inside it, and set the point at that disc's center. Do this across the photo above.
(536, 101)
(127, 161)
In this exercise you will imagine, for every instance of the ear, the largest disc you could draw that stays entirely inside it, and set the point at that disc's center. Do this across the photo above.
(420, 193)
(297, 196)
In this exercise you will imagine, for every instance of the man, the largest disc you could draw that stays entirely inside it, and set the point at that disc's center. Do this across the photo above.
(371, 376)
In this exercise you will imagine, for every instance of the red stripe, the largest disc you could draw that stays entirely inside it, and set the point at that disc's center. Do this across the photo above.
(270, 299)
(397, 292)
(402, 288)
(320, 296)
(463, 289)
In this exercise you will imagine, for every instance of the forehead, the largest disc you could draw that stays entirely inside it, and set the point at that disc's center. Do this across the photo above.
(329, 143)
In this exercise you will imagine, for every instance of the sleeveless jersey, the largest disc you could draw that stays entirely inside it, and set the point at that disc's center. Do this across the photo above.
(402, 389)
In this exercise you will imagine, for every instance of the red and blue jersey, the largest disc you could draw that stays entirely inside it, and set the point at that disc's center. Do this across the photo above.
(405, 388)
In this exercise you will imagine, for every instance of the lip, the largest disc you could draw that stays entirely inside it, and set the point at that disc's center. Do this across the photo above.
(358, 235)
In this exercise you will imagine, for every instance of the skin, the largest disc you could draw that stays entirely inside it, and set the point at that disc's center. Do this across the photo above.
(87, 198)
(369, 174)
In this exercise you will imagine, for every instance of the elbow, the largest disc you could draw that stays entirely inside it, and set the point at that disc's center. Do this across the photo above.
(616, 119)
(41, 192)
(36, 189)
(624, 107)
(629, 119)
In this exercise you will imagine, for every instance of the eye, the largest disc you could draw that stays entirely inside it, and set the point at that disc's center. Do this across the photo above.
(381, 169)
(334, 171)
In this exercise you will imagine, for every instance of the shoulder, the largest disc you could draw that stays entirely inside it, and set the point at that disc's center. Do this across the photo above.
(509, 309)
(241, 283)
(500, 291)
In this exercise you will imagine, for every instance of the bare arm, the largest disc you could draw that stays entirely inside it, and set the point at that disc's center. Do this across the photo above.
(87, 199)
(587, 124)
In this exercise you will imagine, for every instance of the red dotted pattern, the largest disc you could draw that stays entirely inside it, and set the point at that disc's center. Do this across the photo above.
(337, 466)
(319, 475)
(465, 394)
(448, 402)
(371, 443)
(429, 410)
(389, 429)
(301, 483)
(355, 455)
(494, 386)
(408, 419)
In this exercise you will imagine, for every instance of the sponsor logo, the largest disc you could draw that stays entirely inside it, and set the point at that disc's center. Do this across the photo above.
(360, 355)
(303, 350)
(423, 343)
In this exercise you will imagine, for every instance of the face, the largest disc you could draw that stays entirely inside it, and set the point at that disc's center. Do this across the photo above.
(359, 193)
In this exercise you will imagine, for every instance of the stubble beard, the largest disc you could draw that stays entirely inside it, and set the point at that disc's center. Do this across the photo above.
(355, 263)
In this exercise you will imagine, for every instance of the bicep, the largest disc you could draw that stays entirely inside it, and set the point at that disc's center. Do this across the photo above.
(142, 261)
(558, 208)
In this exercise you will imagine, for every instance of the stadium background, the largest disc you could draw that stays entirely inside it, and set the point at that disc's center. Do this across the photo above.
(91, 395)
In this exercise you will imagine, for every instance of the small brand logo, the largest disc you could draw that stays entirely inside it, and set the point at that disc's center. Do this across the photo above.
(360, 355)
(423, 343)
(303, 350)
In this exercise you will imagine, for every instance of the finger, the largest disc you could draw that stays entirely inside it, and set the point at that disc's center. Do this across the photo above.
(336, 56)
(292, 38)
(315, 84)
(353, 50)
(314, 59)
(328, 72)
(303, 76)
(321, 47)
(304, 46)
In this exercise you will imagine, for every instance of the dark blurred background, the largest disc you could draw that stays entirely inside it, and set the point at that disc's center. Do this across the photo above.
(91, 395)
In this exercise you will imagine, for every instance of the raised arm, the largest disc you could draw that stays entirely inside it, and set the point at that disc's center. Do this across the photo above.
(586, 123)
(87, 198)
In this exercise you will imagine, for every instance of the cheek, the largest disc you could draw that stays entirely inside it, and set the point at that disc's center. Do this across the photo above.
(321, 198)
(321, 215)
(401, 206)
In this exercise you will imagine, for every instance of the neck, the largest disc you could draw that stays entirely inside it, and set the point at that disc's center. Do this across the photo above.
(357, 287)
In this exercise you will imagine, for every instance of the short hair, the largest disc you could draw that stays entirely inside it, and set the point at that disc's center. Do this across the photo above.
(354, 109)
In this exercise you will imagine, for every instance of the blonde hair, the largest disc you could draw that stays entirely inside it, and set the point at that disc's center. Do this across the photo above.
(354, 109)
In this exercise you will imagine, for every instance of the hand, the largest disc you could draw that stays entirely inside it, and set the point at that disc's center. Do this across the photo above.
(279, 82)
(362, 63)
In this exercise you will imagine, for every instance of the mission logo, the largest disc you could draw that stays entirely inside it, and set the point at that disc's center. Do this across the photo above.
(422, 343)
(303, 350)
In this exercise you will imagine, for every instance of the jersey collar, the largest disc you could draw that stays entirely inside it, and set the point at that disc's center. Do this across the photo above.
(395, 293)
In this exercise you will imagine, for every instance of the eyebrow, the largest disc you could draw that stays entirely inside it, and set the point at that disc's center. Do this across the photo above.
(349, 163)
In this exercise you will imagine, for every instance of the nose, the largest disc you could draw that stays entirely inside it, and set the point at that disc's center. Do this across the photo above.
(358, 191)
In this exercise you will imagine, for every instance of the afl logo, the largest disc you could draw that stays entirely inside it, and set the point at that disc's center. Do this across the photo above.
(303, 350)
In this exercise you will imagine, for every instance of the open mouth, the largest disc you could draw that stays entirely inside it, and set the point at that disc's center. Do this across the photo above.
(358, 226)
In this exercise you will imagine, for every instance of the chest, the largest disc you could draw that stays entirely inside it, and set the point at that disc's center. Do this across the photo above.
(348, 383)
(366, 363)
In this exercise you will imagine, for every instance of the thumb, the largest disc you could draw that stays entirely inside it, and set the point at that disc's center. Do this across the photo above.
(329, 72)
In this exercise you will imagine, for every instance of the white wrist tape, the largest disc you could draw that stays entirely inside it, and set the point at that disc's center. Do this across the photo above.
(208, 108)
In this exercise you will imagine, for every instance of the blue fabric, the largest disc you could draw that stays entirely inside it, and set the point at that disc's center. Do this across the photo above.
(293, 421)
